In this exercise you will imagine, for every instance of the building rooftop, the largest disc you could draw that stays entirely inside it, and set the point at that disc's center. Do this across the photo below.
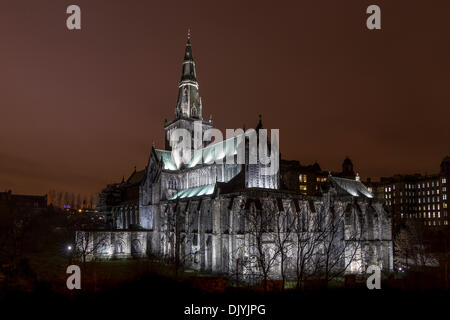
(352, 187)
(207, 155)
(194, 192)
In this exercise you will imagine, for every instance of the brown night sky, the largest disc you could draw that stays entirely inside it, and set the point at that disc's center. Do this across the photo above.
(79, 109)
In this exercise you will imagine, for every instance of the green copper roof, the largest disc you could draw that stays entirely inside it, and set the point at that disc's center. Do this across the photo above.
(194, 192)
(166, 158)
(208, 155)
(354, 187)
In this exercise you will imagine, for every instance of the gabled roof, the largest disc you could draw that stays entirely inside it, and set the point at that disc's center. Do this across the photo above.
(208, 155)
(351, 187)
(165, 157)
(136, 177)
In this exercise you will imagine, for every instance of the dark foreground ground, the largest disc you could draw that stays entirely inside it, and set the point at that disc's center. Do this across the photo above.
(136, 289)
(160, 299)
(34, 282)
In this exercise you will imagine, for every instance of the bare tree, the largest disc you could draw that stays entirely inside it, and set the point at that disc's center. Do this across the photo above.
(172, 225)
(307, 239)
(262, 249)
(14, 229)
(78, 201)
(86, 236)
(284, 222)
(51, 197)
(93, 200)
(339, 241)
(89, 244)
(22, 231)
(84, 202)
(59, 200)
(72, 200)
(411, 247)
(184, 234)
(66, 198)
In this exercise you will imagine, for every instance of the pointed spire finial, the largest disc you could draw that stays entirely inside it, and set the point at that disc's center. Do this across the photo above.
(189, 34)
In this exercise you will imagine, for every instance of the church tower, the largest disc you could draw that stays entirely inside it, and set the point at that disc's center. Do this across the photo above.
(189, 103)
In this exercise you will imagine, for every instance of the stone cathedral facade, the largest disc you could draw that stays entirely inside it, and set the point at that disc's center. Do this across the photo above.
(224, 218)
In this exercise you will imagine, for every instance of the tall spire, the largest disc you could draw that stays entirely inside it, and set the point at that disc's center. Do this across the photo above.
(189, 104)
(188, 109)
(188, 73)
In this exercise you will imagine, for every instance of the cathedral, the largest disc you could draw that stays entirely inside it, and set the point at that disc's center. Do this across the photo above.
(228, 218)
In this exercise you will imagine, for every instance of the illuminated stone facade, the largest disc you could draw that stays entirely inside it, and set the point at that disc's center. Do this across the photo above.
(200, 215)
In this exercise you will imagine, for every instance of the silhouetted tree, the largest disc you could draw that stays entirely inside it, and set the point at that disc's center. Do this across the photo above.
(78, 201)
(410, 245)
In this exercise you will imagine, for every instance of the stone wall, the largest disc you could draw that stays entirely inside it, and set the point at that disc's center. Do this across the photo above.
(111, 244)
(216, 234)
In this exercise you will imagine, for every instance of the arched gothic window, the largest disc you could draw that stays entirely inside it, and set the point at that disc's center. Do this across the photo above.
(193, 111)
(172, 183)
